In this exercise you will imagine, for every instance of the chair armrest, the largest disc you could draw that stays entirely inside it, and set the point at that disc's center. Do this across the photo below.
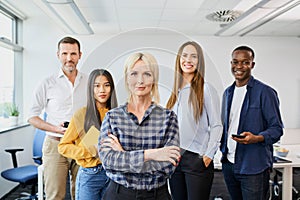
(13, 155)
(37, 159)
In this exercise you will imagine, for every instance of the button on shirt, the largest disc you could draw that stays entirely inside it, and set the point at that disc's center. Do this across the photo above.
(203, 136)
(157, 129)
(59, 97)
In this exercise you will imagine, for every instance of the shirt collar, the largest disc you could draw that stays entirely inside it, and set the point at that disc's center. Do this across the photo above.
(185, 87)
(249, 84)
(153, 105)
(61, 74)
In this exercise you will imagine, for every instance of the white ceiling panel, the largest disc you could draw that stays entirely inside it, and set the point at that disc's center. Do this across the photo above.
(182, 4)
(187, 16)
(95, 3)
(138, 15)
(99, 14)
(140, 4)
(172, 15)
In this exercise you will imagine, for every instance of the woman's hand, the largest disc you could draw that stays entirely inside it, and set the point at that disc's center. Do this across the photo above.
(95, 146)
(206, 160)
(169, 153)
(111, 142)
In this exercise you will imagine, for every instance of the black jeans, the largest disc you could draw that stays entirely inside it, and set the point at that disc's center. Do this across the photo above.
(116, 191)
(191, 179)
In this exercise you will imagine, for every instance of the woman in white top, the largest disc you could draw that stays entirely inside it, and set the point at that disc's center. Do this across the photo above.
(197, 106)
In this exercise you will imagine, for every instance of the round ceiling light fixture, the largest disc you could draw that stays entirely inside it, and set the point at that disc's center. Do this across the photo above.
(224, 16)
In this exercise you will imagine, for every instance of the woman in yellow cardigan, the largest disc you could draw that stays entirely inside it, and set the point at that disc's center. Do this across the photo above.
(80, 139)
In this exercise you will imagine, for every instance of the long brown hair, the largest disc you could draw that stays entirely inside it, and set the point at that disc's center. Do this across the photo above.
(196, 97)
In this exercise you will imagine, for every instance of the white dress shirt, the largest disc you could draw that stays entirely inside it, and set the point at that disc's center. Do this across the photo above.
(57, 96)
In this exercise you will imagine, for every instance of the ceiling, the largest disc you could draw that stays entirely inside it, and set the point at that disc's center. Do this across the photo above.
(189, 16)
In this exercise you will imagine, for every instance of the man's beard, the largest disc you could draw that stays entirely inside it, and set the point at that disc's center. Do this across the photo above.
(69, 69)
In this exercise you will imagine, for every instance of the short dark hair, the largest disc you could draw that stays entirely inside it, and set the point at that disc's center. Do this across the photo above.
(245, 48)
(69, 40)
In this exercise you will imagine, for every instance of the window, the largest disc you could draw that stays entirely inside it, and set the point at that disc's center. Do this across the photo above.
(10, 61)
(6, 76)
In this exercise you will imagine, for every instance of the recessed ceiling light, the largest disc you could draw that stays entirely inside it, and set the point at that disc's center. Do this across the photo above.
(223, 16)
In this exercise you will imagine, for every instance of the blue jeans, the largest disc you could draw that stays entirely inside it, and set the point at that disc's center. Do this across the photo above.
(91, 183)
(246, 187)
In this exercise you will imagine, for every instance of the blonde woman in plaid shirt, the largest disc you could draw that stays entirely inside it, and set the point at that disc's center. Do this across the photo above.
(139, 140)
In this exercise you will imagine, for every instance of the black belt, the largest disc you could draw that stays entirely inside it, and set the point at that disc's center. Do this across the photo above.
(124, 190)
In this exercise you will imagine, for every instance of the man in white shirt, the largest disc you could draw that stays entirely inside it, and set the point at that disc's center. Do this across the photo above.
(59, 95)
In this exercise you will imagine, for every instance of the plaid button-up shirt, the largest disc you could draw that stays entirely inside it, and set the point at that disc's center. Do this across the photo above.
(157, 129)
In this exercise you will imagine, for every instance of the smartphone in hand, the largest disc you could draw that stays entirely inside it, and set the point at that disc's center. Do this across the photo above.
(66, 124)
(238, 136)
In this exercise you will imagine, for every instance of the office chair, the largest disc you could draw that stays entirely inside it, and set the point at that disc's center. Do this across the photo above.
(27, 174)
(276, 182)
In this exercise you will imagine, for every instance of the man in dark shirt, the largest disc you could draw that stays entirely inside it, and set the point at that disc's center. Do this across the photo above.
(250, 108)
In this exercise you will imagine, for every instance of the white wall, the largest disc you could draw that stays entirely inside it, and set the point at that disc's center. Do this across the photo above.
(277, 63)
(277, 59)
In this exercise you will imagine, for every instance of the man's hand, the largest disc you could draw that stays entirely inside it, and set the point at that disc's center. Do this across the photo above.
(249, 139)
(37, 122)
(60, 129)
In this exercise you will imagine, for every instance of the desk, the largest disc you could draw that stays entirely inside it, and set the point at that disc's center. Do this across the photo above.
(40, 182)
(287, 174)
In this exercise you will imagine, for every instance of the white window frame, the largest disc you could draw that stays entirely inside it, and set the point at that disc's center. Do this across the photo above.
(15, 44)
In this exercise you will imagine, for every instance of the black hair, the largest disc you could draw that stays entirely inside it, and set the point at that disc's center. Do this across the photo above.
(245, 48)
(92, 116)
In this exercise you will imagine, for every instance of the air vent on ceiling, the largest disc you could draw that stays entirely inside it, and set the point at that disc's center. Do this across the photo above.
(224, 16)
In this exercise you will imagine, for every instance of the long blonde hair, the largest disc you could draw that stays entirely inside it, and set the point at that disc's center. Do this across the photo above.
(151, 62)
(196, 97)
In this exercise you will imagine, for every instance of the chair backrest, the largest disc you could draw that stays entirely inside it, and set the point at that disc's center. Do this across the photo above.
(38, 145)
(38, 142)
